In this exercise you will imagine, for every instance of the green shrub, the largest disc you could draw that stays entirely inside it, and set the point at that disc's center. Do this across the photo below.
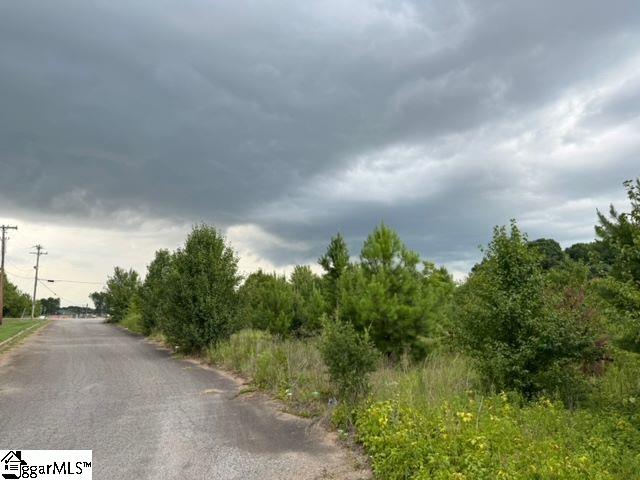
(521, 336)
(618, 389)
(350, 357)
(133, 320)
(621, 303)
(620, 233)
(16, 303)
(202, 302)
(496, 438)
(267, 303)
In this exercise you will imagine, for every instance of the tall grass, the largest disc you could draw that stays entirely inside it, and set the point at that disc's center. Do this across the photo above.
(292, 370)
(619, 387)
(440, 377)
(430, 420)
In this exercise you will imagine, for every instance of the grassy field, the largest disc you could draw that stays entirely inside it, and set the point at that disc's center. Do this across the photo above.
(430, 420)
(12, 326)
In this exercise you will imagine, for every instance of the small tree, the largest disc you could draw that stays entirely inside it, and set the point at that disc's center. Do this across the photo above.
(384, 295)
(519, 337)
(267, 303)
(438, 289)
(334, 262)
(16, 303)
(121, 287)
(50, 305)
(203, 280)
(550, 251)
(308, 302)
(350, 357)
(621, 233)
(156, 290)
(597, 255)
(99, 301)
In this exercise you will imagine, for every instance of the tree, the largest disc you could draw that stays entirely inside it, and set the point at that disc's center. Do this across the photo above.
(16, 303)
(518, 336)
(308, 302)
(50, 306)
(155, 292)
(384, 295)
(203, 298)
(438, 289)
(597, 255)
(99, 300)
(121, 287)
(334, 262)
(267, 303)
(621, 233)
(550, 252)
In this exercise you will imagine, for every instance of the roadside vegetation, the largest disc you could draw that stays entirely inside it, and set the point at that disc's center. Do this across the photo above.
(13, 326)
(17, 304)
(526, 370)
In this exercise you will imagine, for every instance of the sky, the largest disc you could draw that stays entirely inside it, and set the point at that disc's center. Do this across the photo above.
(122, 124)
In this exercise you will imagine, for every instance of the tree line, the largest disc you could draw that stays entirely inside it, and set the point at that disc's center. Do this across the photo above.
(534, 317)
(16, 303)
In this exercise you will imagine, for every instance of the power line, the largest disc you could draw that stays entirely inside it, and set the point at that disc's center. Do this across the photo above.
(17, 276)
(42, 282)
(71, 302)
(53, 280)
(22, 269)
(72, 281)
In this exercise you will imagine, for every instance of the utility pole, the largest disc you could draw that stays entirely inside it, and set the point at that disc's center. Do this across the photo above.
(3, 248)
(37, 253)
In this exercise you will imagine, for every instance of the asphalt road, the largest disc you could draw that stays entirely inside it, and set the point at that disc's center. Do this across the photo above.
(83, 384)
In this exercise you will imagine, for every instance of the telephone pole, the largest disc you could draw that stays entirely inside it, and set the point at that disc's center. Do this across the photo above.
(37, 253)
(3, 248)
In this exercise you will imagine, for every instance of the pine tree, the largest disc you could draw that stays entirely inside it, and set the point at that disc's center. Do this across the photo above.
(334, 262)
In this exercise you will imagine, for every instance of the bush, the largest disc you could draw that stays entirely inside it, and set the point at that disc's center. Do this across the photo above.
(520, 338)
(350, 357)
(16, 303)
(266, 302)
(133, 320)
(202, 302)
(621, 303)
(618, 390)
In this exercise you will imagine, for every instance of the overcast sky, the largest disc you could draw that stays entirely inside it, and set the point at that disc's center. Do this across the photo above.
(283, 122)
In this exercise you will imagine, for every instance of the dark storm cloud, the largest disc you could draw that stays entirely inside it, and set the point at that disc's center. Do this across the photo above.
(287, 115)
